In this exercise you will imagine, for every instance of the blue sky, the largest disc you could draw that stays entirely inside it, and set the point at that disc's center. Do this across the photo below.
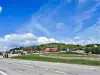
(67, 21)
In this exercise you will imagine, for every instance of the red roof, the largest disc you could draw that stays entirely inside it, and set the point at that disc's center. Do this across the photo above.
(51, 49)
(29, 49)
(47, 49)
(54, 49)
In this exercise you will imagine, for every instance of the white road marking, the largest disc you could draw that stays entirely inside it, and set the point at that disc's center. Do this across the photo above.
(3, 73)
(60, 71)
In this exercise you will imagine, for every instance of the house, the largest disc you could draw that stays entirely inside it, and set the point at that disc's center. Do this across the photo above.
(29, 50)
(47, 50)
(79, 50)
(55, 49)
(51, 50)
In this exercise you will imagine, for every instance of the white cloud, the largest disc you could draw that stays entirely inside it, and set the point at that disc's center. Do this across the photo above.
(81, 3)
(92, 31)
(16, 40)
(20, 37)
(79, 19)
(94, 27)
(77, 38)
(44, 40)
(79, 27)
(93, 8)
(40, 20)
(0, 9)
(40, 27)
(68, 41)
(28, 39)
(60, 26)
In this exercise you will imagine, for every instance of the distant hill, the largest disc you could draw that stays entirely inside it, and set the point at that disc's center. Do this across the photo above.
(93, 48)
(57, 45)
(51, 45)
(93, 45)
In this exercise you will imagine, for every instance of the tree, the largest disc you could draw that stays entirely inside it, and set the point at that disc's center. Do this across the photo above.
(93, 51)
(38, 48)
(87, 50)
(97, 50)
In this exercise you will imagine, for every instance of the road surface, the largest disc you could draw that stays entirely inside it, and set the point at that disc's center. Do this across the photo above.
(26, 67)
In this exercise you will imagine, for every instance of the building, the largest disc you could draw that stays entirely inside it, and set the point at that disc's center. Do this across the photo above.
(79, 50)
(51, 50)
(29, 50)
(47, 50)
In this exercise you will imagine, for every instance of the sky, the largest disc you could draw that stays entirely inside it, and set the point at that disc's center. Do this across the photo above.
(32, 22)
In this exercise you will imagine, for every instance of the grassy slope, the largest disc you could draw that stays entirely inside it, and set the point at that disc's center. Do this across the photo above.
(72, 61)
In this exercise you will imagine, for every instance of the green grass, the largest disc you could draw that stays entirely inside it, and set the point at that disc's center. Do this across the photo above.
(47, 59)
(71, 54)
(65, 53)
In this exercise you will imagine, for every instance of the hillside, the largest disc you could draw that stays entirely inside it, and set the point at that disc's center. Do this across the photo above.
(51, 45)
(61, 46)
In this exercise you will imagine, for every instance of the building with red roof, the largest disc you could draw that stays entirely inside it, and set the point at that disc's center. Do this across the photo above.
(29, 50)
(51, 50)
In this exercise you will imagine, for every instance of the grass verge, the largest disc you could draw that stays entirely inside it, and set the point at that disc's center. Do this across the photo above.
(71, 54)
(47, 59)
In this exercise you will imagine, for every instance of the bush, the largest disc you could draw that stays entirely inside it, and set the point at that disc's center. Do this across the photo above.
(95, 50)
(0, 53)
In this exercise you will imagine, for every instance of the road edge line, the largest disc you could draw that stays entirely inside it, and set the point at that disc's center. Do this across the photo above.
(3, 73)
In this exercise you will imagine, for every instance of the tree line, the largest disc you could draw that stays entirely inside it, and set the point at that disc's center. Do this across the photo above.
(90, 48)
(93, 49)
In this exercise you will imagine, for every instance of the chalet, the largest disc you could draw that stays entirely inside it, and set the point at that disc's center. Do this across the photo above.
(51, 50)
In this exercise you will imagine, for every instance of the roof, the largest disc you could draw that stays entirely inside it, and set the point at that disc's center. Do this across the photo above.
(54, 49)
(51, 49)
(29, 49)
(47, 49)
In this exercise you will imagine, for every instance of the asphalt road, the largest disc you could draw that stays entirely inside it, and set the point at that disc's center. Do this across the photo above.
(25, 67)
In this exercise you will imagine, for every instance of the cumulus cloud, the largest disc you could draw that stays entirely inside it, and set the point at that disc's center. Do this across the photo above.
(44, 40)
(28, 39)
(0, 9)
